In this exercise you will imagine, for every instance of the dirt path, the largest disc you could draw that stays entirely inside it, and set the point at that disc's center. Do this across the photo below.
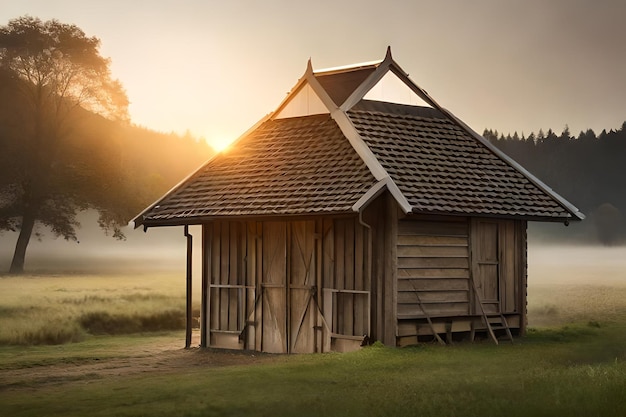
(158, 358)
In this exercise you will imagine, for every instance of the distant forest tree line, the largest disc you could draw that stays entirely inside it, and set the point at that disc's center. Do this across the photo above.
(589, 170)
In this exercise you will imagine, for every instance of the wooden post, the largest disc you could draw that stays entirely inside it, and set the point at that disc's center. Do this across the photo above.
(390, 273)
(189, 266)
(523, 275)
(205, 300)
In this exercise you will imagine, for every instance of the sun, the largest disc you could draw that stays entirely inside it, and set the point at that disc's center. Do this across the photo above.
(220, 143)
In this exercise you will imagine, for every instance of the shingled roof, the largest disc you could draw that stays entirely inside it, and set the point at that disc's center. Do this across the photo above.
(337, 161)
(285, 167)
(440, 168)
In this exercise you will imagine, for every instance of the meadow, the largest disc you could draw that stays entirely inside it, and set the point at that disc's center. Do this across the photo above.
(572, 362)
(56, 309)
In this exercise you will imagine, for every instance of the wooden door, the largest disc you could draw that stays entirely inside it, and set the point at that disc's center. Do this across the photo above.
(274, 311)
(486, 263)
(302, 286)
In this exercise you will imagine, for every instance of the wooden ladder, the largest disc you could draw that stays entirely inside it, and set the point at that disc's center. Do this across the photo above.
(493, 321)
(427, 317)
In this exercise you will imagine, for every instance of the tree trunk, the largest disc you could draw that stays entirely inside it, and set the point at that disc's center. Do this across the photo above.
(17, 265)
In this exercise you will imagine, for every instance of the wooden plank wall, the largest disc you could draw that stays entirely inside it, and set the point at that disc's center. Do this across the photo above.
(228, 249)
(224, 275)
(268, 282)
(345, 263)
(293, 286)
(433, 267)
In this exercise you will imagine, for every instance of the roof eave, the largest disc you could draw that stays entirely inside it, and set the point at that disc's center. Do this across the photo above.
(199, 220)
(534, 218)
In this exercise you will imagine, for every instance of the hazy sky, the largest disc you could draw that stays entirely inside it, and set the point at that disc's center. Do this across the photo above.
(216, 67)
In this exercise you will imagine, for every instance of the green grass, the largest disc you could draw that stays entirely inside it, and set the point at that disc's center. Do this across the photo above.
(577, 371)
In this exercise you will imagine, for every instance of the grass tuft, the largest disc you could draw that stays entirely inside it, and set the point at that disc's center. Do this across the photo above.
(101, 322)
(53, 335)
(164, 320)
(37, 310)
(50, 334)
(565, 334)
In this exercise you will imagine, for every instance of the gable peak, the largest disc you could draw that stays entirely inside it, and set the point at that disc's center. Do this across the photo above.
(321, 90)
(348, 68)
(351, 67)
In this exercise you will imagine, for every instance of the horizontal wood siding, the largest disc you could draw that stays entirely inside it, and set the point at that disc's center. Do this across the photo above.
(433, 268)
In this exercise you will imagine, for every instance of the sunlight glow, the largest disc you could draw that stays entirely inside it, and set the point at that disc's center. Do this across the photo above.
(220, 143)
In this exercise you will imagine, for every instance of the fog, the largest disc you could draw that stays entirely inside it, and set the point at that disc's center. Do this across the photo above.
(163, 249)
(576, 265)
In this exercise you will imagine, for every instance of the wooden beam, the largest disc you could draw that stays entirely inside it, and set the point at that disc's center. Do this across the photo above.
(390, 272)
(523, 272)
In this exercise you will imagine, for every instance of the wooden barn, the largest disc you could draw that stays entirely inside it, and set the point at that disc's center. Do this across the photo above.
(359, 210)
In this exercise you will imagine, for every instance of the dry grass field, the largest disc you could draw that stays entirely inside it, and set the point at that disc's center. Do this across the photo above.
(55, 309)
(576, 285)
(565, 285)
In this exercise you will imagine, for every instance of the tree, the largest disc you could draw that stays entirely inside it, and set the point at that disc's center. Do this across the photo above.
(566, 134)
(53, 84)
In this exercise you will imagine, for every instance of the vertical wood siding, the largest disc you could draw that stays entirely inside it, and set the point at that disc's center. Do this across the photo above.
(273, 287)
(287, 286)
(497, 254)
(302, 284)
(350, 293)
